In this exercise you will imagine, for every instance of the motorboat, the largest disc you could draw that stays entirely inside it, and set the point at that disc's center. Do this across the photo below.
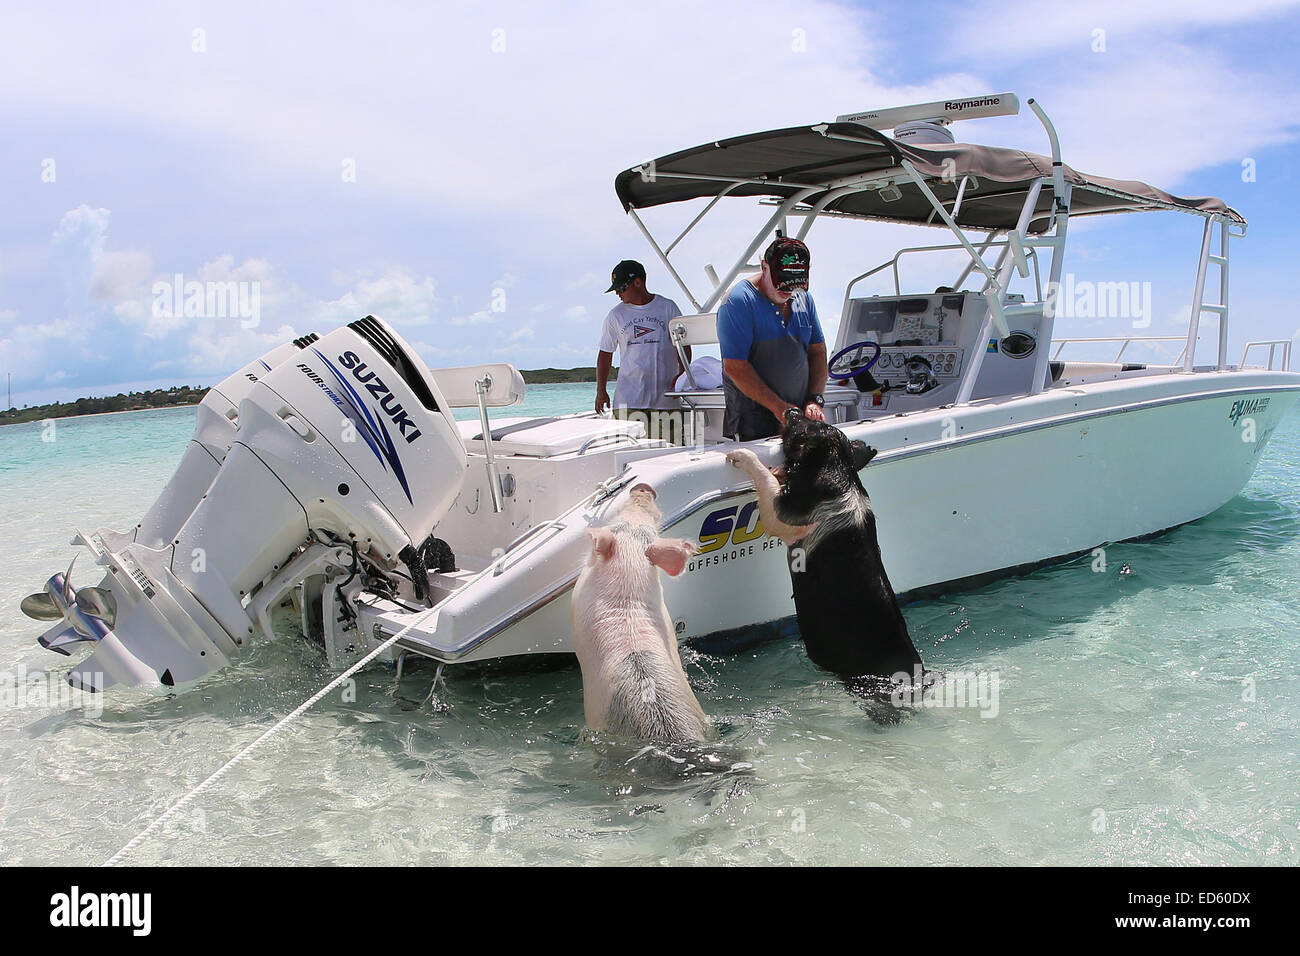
(330, 482)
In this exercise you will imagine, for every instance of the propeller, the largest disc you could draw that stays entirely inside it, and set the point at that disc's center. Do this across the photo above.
(41, 607)
(96, 602)
(67, 580)
(62, 641)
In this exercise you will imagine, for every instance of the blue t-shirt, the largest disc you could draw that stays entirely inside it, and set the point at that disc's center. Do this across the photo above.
(750, 328)
(749, 317)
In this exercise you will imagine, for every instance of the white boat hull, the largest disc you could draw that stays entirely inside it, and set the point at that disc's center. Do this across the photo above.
(960, 494)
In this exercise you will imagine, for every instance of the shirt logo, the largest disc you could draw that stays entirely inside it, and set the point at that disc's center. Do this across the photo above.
(640, 330)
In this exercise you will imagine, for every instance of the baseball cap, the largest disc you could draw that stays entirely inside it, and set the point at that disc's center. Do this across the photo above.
(789, 260)
(625, 272)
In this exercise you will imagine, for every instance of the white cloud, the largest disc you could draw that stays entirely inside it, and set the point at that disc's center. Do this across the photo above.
(1107, 128)
(396, 296)
(46, 351)
(482, 317)
(537, 129)
(120, 275)
(83, 228)
(223, 269)
(78, 245)
(223, 351)
(437, 355)
(509, 174)
(986, 27)
(117, 278)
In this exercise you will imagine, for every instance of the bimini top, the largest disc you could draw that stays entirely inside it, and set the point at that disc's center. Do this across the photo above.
(860, 164)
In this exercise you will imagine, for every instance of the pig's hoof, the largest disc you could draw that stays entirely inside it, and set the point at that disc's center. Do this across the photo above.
(742, 458)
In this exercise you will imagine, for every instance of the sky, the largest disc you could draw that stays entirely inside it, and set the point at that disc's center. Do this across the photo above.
(450, 167)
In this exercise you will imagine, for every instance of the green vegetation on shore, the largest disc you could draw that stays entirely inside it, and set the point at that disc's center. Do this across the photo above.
(131, 402)
(552, 376)
(191, 395)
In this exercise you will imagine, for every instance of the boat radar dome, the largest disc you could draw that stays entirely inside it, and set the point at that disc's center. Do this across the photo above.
(924, 133)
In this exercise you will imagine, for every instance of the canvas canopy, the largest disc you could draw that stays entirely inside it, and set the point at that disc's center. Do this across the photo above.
(859, 160)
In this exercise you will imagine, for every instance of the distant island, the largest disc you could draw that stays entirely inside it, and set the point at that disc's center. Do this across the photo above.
(553, 376)
(192, 395)
(128, 402)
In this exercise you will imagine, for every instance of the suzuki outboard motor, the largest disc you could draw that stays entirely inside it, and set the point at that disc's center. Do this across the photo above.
(345, 455)
(214, 431)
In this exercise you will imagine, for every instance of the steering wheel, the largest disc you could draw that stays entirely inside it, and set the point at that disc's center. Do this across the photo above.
(848, 362)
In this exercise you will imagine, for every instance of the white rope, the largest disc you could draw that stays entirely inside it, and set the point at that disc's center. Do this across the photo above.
(607, 486)
(238, 758)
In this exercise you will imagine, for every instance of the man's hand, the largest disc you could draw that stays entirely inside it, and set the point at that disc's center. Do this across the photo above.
(604, 362)
(814, 412)
(779, 408)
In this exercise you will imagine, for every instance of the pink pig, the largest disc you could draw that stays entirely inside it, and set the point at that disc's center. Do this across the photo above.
(633, 684)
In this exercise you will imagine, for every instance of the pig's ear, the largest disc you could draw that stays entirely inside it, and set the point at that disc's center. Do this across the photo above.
(602, 542)
(671, 554)
(862, 454)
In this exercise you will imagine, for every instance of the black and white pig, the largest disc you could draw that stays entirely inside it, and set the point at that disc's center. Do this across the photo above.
(633, 684)
(847, 611)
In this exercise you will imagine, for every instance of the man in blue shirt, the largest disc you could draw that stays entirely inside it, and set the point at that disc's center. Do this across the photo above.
(773, 350)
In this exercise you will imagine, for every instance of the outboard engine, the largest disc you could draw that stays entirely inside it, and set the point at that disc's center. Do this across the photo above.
(345, 454)
(214, 431)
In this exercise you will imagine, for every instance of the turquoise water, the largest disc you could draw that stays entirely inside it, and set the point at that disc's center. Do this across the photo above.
(1146, 714)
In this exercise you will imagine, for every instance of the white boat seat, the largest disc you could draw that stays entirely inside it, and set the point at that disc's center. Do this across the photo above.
(505, 386)
(545, 437)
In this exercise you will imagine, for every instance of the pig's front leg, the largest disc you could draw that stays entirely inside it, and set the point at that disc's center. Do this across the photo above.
(671, 554)
(767, 486)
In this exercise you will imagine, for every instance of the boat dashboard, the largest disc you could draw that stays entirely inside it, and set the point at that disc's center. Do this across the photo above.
(925, 342)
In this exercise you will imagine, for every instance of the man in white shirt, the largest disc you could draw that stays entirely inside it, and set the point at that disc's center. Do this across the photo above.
(648, 364)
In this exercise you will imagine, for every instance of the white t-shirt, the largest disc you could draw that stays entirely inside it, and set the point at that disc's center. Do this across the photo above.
(647, 364)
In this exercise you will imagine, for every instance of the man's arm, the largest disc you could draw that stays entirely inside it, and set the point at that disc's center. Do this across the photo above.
(604, 362)
(680, 367)
(817, 368)
(749, 382)
(816, 379)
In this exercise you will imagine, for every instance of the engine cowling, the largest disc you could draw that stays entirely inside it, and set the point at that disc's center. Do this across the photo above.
(347, 441)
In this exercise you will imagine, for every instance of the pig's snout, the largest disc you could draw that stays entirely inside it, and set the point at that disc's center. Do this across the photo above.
(644, 488)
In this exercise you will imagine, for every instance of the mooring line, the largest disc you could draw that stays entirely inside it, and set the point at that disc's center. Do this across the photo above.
(239, 757)
(607, 488)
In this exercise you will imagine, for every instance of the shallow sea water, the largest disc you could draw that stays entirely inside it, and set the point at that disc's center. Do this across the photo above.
(1146, 714)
